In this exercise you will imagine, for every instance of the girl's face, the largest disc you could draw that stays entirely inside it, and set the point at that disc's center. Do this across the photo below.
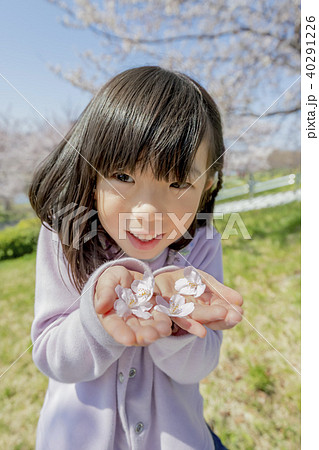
(144, 215)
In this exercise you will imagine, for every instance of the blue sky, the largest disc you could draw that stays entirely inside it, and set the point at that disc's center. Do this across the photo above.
(31, 37)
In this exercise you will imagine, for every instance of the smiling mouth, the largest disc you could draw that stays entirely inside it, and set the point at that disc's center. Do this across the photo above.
(144, 244)
(146, 237)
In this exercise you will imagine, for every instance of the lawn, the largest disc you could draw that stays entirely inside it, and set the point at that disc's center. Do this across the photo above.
(252, 399)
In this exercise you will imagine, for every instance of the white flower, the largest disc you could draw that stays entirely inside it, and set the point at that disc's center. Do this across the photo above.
(176, 306)
(128, 303)
(191, 284)
(143, 289)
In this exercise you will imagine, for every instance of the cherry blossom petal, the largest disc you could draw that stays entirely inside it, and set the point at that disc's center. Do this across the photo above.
(178, 300)
(136, 302)
(143, 289)
(180, 284)
(121, 308)
(184, 287)
(138, 312)
(161, 301)
(118, 290)
(176, 303)
(162, 305)
(126, 295)
(146, 306)
(162, 309)
(200, 290)
(191, 284)
(187, 309)
(192, 275)
(176, 306)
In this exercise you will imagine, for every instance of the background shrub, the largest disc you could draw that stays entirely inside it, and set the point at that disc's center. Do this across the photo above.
(20, 239)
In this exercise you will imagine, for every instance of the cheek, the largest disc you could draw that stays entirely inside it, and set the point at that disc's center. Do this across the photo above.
(186, 210)
(108, 207)
(188, 203)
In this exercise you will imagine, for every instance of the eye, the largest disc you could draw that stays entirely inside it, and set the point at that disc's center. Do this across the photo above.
(180, 185)
(123, 177)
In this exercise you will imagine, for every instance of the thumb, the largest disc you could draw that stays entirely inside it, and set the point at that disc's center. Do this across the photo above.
(105, 294)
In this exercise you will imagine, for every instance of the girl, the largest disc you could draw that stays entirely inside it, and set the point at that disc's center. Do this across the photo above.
(140, 163)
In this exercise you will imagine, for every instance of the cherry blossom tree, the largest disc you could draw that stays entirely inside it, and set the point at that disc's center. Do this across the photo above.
(247, 54)
(21, 151)
(238, 49)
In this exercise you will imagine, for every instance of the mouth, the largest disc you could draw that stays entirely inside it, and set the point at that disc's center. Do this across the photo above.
(144, 241)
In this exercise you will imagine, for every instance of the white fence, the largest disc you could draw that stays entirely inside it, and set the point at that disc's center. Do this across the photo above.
(254, 187)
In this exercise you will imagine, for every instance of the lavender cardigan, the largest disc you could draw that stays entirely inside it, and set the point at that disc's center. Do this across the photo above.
(103, 395)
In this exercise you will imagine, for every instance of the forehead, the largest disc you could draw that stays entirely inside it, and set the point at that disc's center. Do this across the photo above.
(198, 167)
(201, 158)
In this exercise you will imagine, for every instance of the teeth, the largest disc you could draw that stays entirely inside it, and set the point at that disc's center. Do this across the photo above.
(145, 237)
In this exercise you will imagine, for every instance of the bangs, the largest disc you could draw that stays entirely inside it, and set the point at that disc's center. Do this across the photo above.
(146, 117)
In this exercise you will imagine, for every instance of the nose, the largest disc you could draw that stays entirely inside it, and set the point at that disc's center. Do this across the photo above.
(147, 216)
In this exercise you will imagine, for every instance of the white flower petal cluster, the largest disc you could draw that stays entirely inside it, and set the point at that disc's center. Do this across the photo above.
(177, 307)
(191, 284)
(135, 300)
(143, 289)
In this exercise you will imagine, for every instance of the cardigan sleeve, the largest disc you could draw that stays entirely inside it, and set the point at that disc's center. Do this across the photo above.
(69, 343)
(188, 358)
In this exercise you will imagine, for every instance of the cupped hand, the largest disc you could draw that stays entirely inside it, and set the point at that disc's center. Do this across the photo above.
(132, 330)
(218, 308)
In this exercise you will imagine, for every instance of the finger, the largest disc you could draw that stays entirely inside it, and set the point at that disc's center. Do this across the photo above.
(105, 294)
(237, 308)
(231, 320)
(162, 323)
(119, 330)
(205, 314)
(191, 326)
(207, 298)
(220, 289)
(145, 334)
(156, 290)
(227, 304)
(233, 317)
(219, 325)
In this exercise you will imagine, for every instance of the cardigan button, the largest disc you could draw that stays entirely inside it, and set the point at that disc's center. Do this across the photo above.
(132, 373)
(121, 377)
(139, 427)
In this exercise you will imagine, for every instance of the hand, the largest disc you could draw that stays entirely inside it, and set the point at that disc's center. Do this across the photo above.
(132, 330)
(218, 308)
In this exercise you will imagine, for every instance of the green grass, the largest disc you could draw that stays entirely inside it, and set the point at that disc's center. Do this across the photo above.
(22, 387)
(252, 399)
